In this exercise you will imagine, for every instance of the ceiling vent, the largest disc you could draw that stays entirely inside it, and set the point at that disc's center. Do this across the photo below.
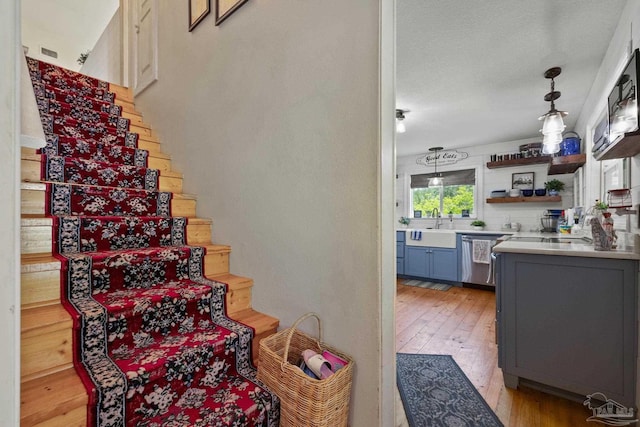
(48, 52)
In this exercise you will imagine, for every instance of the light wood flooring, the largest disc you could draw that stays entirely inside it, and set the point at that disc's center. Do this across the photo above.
(460, 322)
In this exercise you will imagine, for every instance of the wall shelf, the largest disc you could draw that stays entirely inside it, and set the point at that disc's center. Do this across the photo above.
(532, 199)
(628, 146)
(557, 165)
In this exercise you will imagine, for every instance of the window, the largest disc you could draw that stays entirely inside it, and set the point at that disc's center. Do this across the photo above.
(456, 196)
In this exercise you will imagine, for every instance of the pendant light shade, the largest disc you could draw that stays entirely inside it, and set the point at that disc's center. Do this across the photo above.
(552, 139)
(436, 180)
(553, 125)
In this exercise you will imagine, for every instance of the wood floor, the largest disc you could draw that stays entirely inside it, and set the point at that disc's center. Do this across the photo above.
(460, 322)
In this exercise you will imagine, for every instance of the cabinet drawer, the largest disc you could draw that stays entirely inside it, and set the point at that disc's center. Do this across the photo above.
(399, 265)
(400, 250)
(400, 236)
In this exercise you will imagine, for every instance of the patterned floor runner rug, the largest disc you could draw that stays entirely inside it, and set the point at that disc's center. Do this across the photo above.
(435, 392)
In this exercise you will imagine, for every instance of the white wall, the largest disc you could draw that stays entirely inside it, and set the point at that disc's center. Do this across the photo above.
(273, 118)
(488, 180)
(9, 213)
(105, 60)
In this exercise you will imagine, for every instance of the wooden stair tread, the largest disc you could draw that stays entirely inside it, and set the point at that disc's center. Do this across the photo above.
(234, 282)
(199, 221)
(38, 262)
(49, 396)
(184, 196)
(259, 321)
(214, 248)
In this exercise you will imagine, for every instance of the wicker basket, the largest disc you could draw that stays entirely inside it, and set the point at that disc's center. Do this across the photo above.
(304, 401)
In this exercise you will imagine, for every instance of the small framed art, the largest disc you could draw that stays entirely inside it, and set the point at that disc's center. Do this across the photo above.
(224, 8)
(522, 181)
(198, 9)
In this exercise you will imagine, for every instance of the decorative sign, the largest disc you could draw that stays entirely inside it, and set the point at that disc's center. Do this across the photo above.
(445, 157)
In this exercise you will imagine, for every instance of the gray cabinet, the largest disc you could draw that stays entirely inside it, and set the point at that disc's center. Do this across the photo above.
(568, 323)
(400, 236)
(431, 263)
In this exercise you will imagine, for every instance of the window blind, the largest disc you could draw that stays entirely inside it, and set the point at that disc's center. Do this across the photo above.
(459, 177)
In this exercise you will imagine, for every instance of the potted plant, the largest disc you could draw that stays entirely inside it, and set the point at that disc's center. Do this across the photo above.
(478, 224)
(554, 186)
(404, 221)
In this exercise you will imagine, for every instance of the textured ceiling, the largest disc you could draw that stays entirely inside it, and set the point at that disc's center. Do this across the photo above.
(471, 71)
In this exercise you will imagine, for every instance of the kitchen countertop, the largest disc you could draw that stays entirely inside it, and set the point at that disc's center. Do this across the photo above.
(579, 248)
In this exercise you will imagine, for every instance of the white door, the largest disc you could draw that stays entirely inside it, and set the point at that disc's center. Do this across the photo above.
(145, 44)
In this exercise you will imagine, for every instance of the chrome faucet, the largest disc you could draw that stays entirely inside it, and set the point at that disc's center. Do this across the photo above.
(436, 214)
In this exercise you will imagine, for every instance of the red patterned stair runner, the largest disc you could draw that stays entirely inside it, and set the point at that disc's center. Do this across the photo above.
(152, 342)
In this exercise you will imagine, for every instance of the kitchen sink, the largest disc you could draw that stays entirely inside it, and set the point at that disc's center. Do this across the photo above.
(433, 237)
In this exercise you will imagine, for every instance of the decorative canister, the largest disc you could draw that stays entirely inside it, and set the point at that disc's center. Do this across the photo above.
(570, 144)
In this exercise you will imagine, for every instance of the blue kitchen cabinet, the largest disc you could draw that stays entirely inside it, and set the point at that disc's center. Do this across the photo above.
(400, 252)
(431, 263)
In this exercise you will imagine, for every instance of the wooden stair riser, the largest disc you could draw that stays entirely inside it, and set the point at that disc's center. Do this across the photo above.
(44, 352)
(149, 144)
(52, 400)
(163, 165)
(216, 263)
(126, 105)
(142, 131)
(33, 203)
(123, 93)
(183, 207)
(238, 300)
(36, 239)
(198, 234)
(76, 417)
(134, 119)
(40, 288)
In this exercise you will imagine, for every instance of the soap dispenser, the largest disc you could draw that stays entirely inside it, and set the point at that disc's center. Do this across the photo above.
(450, 221)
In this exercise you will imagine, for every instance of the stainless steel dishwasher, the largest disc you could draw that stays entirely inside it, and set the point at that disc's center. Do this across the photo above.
(477, 273)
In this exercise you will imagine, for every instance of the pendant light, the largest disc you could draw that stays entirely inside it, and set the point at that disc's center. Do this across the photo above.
(436, 180)
(553, 125)
(400, 127)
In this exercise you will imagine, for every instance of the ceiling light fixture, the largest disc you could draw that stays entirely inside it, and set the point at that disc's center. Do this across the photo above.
(436, 180)
(553, 125)
(400, 127)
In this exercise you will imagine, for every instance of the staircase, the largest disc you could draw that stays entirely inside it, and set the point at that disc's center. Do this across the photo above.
(52, 392)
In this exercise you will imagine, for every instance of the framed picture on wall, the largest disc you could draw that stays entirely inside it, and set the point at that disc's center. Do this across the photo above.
(522, 181)
(224, 8)
(198, 9)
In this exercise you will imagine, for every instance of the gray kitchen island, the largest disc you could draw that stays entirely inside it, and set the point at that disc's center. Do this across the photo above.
(566, 318)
